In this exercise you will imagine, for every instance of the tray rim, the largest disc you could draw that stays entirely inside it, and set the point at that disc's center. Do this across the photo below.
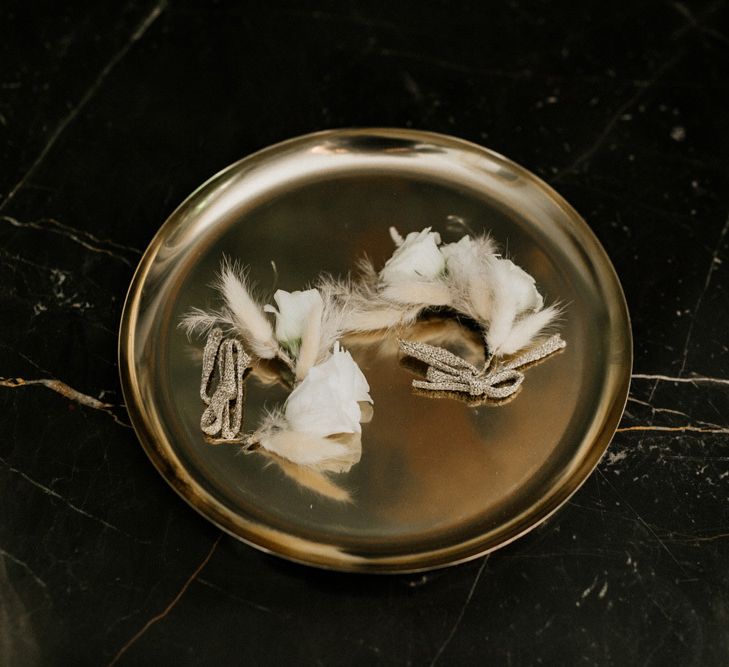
(306, 552)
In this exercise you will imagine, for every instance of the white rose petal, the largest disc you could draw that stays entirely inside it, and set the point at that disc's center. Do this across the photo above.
(293, 310)
(418, 257)
(326, 402)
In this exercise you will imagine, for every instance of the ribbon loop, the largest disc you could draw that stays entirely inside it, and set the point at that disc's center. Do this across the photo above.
(448, 372)
(224, 412)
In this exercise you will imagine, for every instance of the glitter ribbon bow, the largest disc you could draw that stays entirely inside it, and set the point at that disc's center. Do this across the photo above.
(224, 412)
(448, 372)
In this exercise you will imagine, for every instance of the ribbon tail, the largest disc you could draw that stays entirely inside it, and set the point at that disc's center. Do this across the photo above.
(547, 348)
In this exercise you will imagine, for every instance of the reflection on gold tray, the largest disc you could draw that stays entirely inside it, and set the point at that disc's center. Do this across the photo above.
(438, 481)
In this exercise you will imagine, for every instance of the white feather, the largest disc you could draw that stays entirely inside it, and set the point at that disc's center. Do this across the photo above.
(335, 298)
(199, 321)
(527, 328)
(310, 478)
(382, 317)
(467, 278)
(312, 450)
(502, 311)
(310, 341)
(396, 237)
(248, 315)
(360, 307)
(273, 420)
(485, 246)
(418, 292)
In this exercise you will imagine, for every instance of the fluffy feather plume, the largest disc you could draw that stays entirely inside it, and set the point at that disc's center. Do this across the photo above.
(467, 276)
(198, 321)
(330, 454)
(310, 341)
(396, 237)
(516, 309)
(421, 293)
(526, 329)
(499, 320)
(362, 305)
(332, 319)
(311, 450)
(310, 478)
(479, 295)
(247, 315)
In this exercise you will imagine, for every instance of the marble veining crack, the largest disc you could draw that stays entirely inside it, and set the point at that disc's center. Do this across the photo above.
(613, 120)
(26, 567)
(83, 238)
(707, 281)
(222, 591)
(696, 538)
(139, 31)
(79, 510)
(642, 521)
(694, 379)
(67, 392)
(688, 428)
(158, 617)
(697, 23)
(457, 623)
(36, 265)
(668, 411)
(453, 66)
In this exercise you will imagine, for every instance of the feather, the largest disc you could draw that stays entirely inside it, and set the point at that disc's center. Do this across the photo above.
(247, 314)
(310, 478)
(198, 321)
(502, 313)
(516, 314)
(485, 246)
(467, 277)
(268, 373)
(335, 297)
(312, 450)
(383, 317)
(396, 237)
(310, 341)
(370, 310)
(418, 292)
(362, 306)
(273, 420)
(527, 328)
(367, 274)
(479, 294)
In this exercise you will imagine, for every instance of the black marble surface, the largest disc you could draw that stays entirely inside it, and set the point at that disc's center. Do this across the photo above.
(110, 114)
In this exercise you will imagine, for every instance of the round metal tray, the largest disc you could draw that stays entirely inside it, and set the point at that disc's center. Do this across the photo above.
(440, 481)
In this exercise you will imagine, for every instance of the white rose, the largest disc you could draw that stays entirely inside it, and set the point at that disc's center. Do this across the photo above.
(521, 285)
(327, 401)
(293, 311)
(417, 257)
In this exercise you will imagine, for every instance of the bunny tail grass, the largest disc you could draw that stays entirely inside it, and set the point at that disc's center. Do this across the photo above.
(247, 314)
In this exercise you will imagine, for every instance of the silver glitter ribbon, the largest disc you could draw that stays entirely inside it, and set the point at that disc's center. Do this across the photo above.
(224, 412)
(448, 372)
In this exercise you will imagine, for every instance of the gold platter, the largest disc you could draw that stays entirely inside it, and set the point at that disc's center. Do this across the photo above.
(440, 481)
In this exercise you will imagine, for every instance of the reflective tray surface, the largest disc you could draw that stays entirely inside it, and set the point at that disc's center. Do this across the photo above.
(440, 481)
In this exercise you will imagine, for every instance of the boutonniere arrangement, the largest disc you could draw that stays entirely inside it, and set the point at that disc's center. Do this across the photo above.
(299, 342)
